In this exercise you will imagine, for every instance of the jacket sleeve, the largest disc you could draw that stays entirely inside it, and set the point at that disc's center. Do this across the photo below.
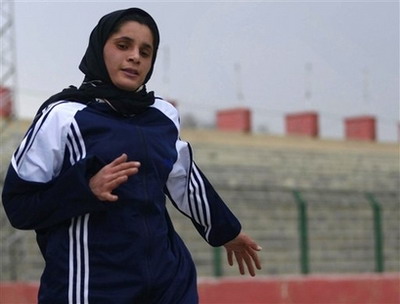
(191, 192)
(38, 191)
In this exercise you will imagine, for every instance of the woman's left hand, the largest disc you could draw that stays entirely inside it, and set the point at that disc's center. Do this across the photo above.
(245, 251)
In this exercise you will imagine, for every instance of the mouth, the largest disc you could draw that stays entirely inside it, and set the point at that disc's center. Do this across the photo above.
(130, 72)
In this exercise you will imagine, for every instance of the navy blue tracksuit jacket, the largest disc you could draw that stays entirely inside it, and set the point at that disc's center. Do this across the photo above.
(114, 253)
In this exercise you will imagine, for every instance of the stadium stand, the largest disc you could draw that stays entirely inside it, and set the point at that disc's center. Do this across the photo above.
(257, 176)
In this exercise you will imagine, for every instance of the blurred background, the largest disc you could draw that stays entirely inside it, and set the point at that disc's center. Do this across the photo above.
(292, 109)
(339, 58)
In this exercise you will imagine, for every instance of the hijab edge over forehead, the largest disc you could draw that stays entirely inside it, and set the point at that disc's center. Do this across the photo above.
(92, 64)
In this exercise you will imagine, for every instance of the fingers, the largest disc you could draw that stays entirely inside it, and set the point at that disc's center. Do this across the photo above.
(115, 182)
(121, 159)
(108, 196)
(245, 251)
(239, 260)
(230, 257)
(120, 166)
(112, 176)
(254, 256)
(118, 174)
(250, 265)
(245, 258)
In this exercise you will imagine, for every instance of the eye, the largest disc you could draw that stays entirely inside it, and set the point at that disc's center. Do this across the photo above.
(145, 54)
(122, 46)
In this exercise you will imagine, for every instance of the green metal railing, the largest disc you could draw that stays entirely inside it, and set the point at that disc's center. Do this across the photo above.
(377, 214)
(304, 238)
(303, 231)
(218, 272)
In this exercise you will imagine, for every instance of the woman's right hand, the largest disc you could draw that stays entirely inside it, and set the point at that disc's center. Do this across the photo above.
(111, 176)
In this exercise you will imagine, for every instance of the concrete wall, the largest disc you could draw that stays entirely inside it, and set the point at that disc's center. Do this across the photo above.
(360, 128)
(365, 289)
(305, 124)
(352, 289)
(234, 120)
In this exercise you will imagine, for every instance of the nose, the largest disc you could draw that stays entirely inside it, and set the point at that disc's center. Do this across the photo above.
(134, 56)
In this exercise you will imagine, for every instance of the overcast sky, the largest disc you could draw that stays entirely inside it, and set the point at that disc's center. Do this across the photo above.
(340, 58)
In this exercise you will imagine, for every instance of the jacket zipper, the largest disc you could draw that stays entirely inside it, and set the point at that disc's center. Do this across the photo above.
(145, 221)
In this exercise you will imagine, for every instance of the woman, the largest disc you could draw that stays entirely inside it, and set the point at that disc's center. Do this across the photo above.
(92, 173)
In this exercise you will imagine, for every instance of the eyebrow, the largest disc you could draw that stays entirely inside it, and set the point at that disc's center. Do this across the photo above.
(126, 38)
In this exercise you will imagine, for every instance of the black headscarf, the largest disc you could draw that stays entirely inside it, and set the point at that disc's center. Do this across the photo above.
(97, 82)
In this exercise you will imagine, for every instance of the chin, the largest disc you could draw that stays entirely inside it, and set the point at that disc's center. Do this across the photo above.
(128, 87)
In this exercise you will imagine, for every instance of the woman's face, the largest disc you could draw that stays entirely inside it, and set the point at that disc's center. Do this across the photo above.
(128, 55)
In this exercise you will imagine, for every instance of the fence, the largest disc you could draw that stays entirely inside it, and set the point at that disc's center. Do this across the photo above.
(309, 231)
(302, 222)
(301, 231)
